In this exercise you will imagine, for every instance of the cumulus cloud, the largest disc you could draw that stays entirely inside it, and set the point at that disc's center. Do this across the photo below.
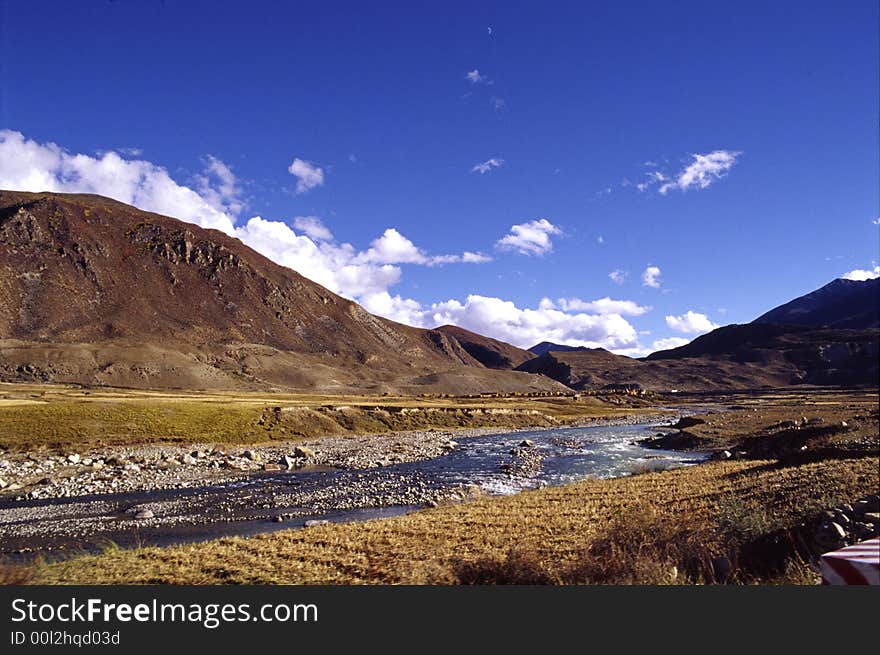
(651, 277)
(214, 202)
(691, 323)
(307, 246)
(474, 77)
(669, 343)
(618, 276)
(26, 165)
(502, 319)
(308, 175)
(313, 227)
(861, 275)
(532, 238)
(486, 166)
(603, 306)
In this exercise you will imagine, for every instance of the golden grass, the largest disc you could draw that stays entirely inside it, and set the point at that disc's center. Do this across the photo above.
(48, 416)
(631, 530)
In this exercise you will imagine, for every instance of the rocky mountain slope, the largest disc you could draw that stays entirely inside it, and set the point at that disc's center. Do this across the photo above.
(94, 291)
(491, 353)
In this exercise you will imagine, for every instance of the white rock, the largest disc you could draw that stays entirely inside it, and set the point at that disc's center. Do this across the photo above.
(313, 523)
(74, 458)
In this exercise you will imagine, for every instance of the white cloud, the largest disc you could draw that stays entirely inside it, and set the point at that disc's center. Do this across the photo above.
(532, 238)
(131, 152)
(618, 276)
(218, 185)
(703, 171)
(487, 165)
(669, 343)
(603, 306)
(523, 327)
(26, 165)
(308, 246)
(475, 77)
(308, 175)
(313, 227)
(861, 274)
(691, 323)
(600, 240)
(651, 277)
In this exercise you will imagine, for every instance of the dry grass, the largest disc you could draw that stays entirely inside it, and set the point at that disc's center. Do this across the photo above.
(50, 416)
(652, 528)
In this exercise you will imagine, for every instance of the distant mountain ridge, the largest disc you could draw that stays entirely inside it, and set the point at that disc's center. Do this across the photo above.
(847, 304)
(548, 346)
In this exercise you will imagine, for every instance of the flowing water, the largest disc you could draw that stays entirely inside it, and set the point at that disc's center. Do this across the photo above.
(494, 463)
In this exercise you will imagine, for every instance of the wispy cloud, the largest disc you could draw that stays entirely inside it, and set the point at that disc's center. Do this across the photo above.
(475, 77)
(618, 276)
(532, 238)
(313, 227)
(497, 103)
(651, 277)
(703, 171)
(308, 175)
(488, 165)
(601, 306)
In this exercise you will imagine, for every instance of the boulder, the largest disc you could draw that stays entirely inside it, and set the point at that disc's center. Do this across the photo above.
(721, 455)
(74, 458)
(251, 455)
(143, 514)
(688, 422)
(3, 483)
(303, 451)
(526, 443)
(189, 459)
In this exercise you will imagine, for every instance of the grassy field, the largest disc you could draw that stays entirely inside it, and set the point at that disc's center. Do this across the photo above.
(49, 416)
(667, 527)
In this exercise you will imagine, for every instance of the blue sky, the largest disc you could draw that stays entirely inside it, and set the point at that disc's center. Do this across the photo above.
(731, 145)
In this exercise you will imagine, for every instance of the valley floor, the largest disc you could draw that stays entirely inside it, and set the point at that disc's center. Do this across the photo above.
(753, 518)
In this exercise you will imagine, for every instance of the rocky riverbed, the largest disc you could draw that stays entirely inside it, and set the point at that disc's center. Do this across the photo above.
(168, 494)
(46, 474)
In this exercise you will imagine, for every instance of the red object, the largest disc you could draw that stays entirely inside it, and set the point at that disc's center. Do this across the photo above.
(856, 564)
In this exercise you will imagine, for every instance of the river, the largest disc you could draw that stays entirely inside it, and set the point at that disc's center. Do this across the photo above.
(494, 464)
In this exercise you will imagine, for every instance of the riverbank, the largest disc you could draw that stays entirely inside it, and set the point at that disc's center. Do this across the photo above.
(679, 526)
(41, 475)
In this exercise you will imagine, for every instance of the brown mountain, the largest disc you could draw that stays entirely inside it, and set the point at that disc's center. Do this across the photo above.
(491, 353)
(732, 357)
(94, 291)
